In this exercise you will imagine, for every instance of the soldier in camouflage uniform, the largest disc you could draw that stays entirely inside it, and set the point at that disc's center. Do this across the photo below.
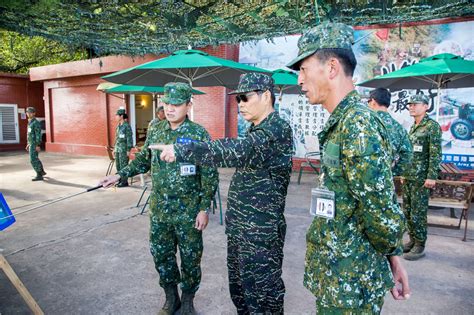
(179, 203)
(401, 146)
(255, 223)
(34, 142)
(425, 136)
(350, 250)
(123, 144)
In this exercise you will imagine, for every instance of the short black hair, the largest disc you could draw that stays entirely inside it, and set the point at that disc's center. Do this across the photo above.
(345, 56)
(125, 116)
(381, 96)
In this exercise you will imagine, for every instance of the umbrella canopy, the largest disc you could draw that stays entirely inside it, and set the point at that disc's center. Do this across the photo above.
(439, 71)
(191, 66)
(286, 81)
(136, 89)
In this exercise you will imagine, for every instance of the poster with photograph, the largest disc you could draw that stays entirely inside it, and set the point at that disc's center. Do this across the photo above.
(381, 51)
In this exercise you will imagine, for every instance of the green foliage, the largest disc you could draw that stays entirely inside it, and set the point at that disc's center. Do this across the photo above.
(157, 26)
(18, 52)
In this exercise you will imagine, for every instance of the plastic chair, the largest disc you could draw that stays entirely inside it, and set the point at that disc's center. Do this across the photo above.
(313, 161)
(110, 153)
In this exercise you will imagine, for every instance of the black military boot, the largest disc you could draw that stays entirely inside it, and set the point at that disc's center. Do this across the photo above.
(415, 253)
(408, 245)
(172, 302)
(43, 172)
(38, 177)
(187, 308)
(123, 183)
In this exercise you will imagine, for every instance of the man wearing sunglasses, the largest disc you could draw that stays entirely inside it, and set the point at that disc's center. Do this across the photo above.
(402, 150)
(181, 196)
(255, 223)
(350, 249)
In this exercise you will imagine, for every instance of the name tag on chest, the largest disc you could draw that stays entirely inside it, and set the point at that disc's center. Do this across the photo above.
(322, 203)
(187, 169)
(417, 148)
(121, 136)
(29, 129)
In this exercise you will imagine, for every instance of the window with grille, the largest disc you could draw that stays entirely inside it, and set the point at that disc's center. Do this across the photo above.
(9, 124)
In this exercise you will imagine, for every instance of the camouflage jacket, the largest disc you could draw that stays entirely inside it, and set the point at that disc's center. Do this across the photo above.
(346, 264)
(401, 145)
(196, 191)
(426, 140)
(34, 132)
(257, 192)
(123, 138)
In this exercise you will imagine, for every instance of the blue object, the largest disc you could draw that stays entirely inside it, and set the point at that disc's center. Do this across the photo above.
(6, 216)
(182, 140)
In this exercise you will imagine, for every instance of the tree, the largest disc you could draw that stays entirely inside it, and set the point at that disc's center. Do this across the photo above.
(18, 52)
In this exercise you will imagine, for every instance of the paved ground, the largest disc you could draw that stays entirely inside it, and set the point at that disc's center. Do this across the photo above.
(89, 254)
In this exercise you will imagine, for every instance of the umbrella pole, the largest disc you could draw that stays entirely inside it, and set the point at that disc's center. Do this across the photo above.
(438, 103)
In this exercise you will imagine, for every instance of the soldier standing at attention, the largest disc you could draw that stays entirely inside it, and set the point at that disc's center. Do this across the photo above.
(179, 203)
(255, 223)
(401, 146)
(425, 136)
(350, 250)
(33, 143)
(123, 144)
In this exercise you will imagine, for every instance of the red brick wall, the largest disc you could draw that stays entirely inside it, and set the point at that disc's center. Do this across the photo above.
(81, 120)
(17, 89)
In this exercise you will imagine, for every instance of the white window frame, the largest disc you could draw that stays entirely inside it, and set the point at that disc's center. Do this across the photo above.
(17, 133)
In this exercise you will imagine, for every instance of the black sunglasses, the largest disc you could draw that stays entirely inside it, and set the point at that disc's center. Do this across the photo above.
(244, 97)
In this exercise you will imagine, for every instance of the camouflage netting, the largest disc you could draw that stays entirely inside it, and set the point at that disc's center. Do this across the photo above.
(140, 27)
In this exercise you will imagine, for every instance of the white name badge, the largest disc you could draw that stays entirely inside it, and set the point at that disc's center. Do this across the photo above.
(121, 136)
(29, 129)
(322, 203)
(417, 148)
(188, 169)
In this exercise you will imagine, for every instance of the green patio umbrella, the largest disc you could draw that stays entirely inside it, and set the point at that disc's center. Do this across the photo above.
(192, 66)
(442, 71)
(286, 82)
(136, 89)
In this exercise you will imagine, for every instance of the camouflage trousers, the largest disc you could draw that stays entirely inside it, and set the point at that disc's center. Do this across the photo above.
(415, 207)
(254, 269)
(34, 160)
(369, 309)
(121, 160)
(166, 236)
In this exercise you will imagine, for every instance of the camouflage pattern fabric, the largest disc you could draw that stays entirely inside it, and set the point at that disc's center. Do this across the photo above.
(256, 201)
(401, 145)
(371, 309)
(123, 144)
(426, 140)
(34, 140)
(418, 99)
(415, 207)
(323, 36)
(254, 81)
(174, 204)
(176, 93)
(346, 257)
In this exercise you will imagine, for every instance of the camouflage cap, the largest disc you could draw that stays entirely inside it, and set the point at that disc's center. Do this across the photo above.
(325, 35)
(176, 93)
(418, 98)
(31, 110)
(160, 108)
(254, 81)
(120, 112)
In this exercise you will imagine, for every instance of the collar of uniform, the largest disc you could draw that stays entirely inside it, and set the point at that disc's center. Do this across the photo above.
(265, 121)
(183, 125)
(422, 123)
(350, 99)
